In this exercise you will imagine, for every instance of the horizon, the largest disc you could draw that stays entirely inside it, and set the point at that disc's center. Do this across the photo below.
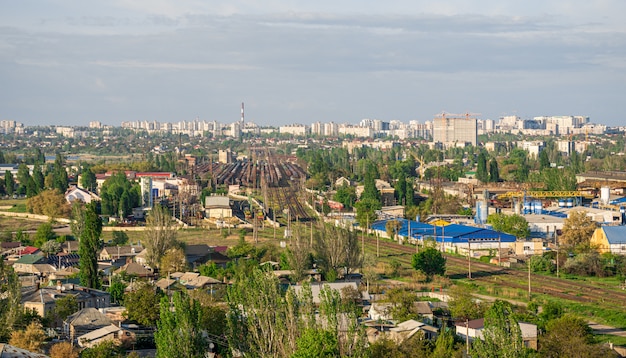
(70, 62)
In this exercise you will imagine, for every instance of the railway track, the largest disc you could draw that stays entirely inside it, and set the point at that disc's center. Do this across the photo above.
(457, 267)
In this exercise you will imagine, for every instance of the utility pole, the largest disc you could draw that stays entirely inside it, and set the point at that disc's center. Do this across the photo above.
(556, 243)
(469, 259)
(529, 293)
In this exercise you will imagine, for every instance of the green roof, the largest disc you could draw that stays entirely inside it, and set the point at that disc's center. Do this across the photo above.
(29, 259)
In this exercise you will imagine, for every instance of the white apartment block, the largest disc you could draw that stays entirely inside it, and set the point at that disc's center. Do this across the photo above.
(294, 129)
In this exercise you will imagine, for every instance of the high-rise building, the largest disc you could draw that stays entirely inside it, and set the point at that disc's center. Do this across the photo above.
(455, 131)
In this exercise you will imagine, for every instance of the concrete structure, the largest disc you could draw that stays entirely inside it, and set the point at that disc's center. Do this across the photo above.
(452, 131)
(217, 207)
(474, 330)
(43, 299)
(294, 129)
(76, 193)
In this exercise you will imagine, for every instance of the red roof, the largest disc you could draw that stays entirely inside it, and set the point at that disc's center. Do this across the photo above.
(29, 250)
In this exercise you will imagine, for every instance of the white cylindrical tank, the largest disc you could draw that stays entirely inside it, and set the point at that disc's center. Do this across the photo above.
(605, 194)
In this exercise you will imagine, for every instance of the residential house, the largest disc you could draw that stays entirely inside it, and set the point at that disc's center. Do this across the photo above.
(197, 255)
(26, 263)
(43, 299)
(109, 253)
(609, 239)
(111, 332)
(342, 181)
(9, 351)
(409, 328)
(84, 321)
(474, 330)
(70, 247)
(75, 193)
(136, 269)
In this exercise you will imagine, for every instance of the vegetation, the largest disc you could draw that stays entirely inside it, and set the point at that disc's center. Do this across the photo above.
(88, 247)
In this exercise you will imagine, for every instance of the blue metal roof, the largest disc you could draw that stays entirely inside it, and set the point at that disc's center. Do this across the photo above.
(615, 234)
(451, 233)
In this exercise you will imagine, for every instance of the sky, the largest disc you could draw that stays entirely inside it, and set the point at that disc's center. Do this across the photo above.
(69, 62)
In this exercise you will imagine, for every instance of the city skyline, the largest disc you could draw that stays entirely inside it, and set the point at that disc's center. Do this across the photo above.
(69, 63)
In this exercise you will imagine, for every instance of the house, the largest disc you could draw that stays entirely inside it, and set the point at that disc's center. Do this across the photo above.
(85, 320)
(217, 207)
(610, 239)
(112, 332)
(75, 193)
(136, 269)
(342, 181)
(337, 286)
(70, 247)
(9, 351)
(43, 299)
(26, 263)
(409, 328)
(380, 311)
(474, 330)
(200, 254)
(193, 280)
(116, 252)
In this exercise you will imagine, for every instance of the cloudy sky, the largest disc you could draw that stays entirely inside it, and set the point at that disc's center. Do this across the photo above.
(74, 61)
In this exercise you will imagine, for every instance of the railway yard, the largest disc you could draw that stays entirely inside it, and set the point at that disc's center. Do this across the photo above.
(515, 280)
(274, 178)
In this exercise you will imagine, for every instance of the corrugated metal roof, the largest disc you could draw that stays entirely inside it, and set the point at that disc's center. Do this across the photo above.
(615, 234)
(450, 233)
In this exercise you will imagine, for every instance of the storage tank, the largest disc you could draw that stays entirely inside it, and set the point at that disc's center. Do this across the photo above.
(528, 207)
(569, 202)
(537, 208)
(605, 195)
(561, 203)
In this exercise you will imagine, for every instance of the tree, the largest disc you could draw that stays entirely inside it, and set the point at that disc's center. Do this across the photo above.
(23, 175)
(44, 234)
(481, 170)
(10, 307)
(50, 247)
(142, 305)
(502, 336)
(401, 304)
(60, 179)
(9, 182)
(336, 248)
(63, 308)
(366, 211)
(346, 195)
(31, 338)
(444, 345)
(570, 336)
(63, 350)
(50, 203)
(178, 331)
(173, 260)
(88, 247)
(120, 238)
(494, 171)
(369, 184)
(88, 179)
(463, 305)
(159, 235)
(77, 216)
(105, 349)
(430, 261)
(392, 227)
(38, 178)
(511, 224)
(577, 231)
(315, 343)
(116, 289)
(544, 161)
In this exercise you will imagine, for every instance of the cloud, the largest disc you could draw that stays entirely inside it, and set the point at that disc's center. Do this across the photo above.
(173, 66)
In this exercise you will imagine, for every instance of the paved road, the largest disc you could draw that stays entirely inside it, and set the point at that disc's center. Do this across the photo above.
(602, 329)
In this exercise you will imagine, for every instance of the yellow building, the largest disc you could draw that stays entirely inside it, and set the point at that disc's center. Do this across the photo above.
(609, 239)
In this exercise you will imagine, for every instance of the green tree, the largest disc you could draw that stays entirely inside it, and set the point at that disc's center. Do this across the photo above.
(50, 247)
(38, 178)
(178, 331)
(116, 289)
(88, 179)
(502, 336)
(511, 224)
(10, 307)
(577, 231)
(60, 179)
(120, 238)
(430, 261)
(106, 349)
(369, 184)
(9, 182)
(88, 247)
(63, 308)
(346, 195)
(317, 342)
(481, 169)
(44, 233)
(570, 336)
(159, 234)
(544, 161)
(142, 305)
(366, 211)
(23, 176)
(77, 216)
(463, 305)
(336, 248)
(494, 171)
